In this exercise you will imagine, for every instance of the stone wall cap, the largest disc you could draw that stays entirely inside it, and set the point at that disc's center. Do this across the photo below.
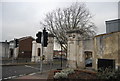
(106, 34)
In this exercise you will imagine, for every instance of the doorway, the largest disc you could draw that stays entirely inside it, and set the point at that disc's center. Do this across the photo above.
(39, 51)
(11, 53)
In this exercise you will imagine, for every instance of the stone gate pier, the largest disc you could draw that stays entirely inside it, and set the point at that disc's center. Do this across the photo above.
(75, 54)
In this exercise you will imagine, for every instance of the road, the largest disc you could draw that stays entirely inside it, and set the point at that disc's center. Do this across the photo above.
(11, 71)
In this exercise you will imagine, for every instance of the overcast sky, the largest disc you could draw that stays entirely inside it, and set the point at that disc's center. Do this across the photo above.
(20, 18)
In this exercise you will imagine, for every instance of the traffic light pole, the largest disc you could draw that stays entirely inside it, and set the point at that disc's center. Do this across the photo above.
(43, 44)
(41, 62)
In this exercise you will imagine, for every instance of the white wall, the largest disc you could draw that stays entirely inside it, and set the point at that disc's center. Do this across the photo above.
(4, 49)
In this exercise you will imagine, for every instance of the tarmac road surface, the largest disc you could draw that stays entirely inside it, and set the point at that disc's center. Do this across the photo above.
(19, 70)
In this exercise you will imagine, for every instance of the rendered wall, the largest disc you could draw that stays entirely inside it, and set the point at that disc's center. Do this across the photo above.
(107, 47)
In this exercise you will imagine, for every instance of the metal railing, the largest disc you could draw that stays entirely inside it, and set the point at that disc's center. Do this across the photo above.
(17, 60)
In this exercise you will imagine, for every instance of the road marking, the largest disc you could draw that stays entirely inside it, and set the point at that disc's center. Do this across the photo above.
(31, 67)
(5, 78)
(20, 75)
(14, 76)
(32, 74)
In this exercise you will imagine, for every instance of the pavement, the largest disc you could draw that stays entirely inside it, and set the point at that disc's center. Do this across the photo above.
(32, 77)
(38, 76)
(43, 75)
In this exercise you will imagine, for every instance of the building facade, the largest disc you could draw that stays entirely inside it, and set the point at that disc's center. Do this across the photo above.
(113, 26)
(25, 47)
(104, 49)
(4, 49)
(43, 53)
(107, 51)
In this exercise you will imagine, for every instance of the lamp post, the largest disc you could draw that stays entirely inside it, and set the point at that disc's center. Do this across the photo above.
(61, 42)
(61, 56)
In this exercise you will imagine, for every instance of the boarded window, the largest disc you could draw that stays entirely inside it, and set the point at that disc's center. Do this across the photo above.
(106, 63)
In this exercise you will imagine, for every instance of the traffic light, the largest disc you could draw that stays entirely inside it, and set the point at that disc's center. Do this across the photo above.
(38, 39)
(16, 42)
(45, 38)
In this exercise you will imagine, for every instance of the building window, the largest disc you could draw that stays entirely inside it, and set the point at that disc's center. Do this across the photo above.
(39, 51)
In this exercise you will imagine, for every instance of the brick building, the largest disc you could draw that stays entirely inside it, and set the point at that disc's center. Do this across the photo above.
(25, 47)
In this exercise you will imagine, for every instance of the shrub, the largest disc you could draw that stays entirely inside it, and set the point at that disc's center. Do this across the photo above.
(68, 71)
(108, 74)
(63, 74)
(60, 75)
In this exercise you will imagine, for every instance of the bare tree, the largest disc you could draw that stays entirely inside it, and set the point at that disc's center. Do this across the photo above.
(76, 16)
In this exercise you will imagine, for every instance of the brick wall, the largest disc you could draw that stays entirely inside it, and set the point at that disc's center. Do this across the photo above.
(25, 48)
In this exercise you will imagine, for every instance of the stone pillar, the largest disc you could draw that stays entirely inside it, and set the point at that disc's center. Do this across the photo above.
(80, 55)
(49, 49)
(16, 50)
(95, 59)
(75, 55)
(33, 51)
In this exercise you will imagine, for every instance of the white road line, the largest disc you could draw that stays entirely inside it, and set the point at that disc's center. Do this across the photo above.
(32, 74)
(20, 75)
(31, 67)
(25, 74)
(5, 78)
(9, 77)
(14, 76)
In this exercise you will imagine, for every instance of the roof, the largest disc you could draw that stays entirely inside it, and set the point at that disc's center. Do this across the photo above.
(11, 41)
(115, 20)
(23, 38)
(107, 34)
(5, 42)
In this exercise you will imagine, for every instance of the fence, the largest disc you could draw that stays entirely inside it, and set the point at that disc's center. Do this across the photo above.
(18, 60)
(55, 63)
